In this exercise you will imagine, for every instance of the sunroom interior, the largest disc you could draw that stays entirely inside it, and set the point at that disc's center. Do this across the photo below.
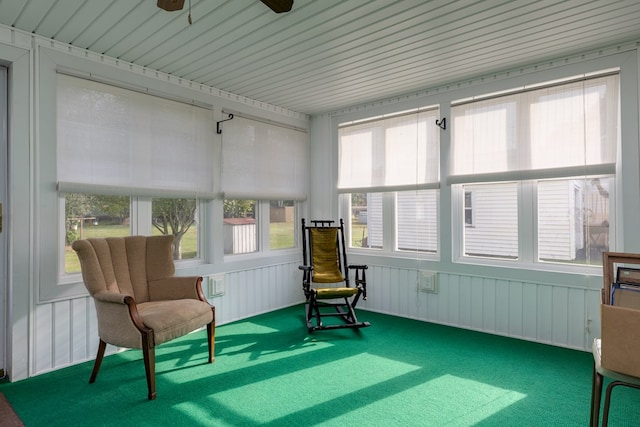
(483, 156)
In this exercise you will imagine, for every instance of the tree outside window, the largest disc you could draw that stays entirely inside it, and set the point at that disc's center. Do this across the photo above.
(93, 216)
(177, 217)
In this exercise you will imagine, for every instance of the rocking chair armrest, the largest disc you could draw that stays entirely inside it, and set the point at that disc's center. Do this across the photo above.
(306, 275)
(360, 279)
(176, 287)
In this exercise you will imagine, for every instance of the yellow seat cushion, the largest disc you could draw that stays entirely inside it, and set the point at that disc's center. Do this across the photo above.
(326, 293)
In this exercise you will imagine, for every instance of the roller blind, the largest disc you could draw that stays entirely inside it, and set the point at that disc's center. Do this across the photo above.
(263, 161)
(565, 129)
(390, 153)
(112, 140)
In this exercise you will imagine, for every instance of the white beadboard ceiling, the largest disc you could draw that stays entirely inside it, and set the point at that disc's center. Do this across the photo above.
(327, 55)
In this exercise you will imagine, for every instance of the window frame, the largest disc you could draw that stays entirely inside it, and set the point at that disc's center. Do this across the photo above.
(450, 233)
(527, 233)
(527, 204)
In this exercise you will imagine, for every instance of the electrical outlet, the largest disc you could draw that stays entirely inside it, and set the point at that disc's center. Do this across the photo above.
(215, 285)
(428, 281)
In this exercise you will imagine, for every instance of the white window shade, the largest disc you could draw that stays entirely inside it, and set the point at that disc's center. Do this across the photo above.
(263, 161)
(388, 154)
(117, 141)
(561, 130)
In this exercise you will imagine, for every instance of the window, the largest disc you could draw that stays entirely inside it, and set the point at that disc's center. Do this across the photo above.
(264, 177)
(98, 216)
(534, 169)
(124, 154)
(245, 219)
(389, 179)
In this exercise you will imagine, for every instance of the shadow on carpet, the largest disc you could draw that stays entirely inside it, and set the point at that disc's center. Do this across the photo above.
(270, 372)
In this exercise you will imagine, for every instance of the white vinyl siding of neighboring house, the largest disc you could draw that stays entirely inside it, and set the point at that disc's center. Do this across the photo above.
(416, 220)
(572, 219)
(494, 232)
(559, 220)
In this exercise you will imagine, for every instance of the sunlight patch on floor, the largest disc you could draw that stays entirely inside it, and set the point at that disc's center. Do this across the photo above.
(282, 395)
(246, 342)
(444, 401)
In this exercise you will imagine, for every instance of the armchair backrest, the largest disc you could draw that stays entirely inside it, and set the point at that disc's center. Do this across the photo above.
(125, 265)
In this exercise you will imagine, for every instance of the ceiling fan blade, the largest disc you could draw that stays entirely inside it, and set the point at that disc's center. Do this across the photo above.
(279, 6)
(171, 5)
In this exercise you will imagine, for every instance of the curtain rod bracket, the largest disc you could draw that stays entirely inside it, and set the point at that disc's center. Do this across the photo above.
(442, 123)
(218, 128)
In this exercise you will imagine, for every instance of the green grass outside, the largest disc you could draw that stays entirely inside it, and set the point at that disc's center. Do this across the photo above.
(72, 264)
(358, 233)
(281, 236)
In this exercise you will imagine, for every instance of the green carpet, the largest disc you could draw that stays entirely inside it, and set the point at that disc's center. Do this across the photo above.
(269, 371)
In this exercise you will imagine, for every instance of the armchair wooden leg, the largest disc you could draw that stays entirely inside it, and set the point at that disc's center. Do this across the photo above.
(211, 340)
(96, 366)
(149, 355)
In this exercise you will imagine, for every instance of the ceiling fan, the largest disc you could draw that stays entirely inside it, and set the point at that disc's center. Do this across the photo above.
(278, 6)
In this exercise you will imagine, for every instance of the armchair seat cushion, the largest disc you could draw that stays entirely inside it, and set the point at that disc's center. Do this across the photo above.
(174, 318)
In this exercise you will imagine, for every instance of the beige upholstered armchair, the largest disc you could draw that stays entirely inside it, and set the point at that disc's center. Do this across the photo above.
(139, 302)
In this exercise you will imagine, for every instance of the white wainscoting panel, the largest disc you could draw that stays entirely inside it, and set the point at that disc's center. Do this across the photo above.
(551, 314)
(66, 332)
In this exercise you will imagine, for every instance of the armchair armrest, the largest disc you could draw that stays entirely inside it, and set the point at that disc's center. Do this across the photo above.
(110, 297)
(176, 287)
(119, 322)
